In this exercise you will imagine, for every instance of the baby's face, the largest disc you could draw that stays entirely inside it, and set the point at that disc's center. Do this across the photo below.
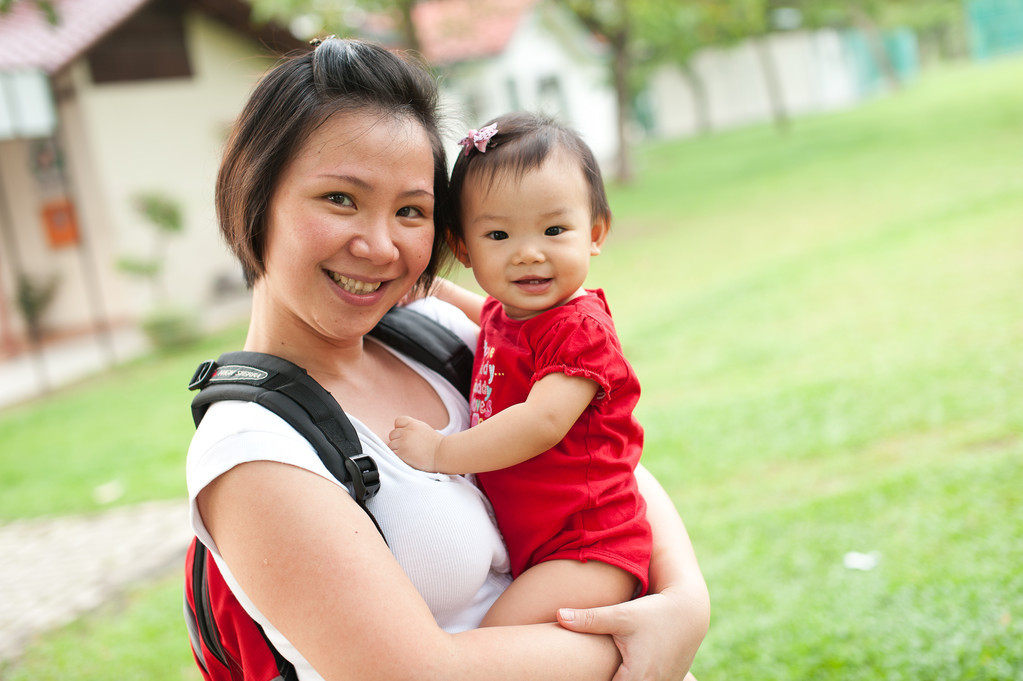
(529, 240)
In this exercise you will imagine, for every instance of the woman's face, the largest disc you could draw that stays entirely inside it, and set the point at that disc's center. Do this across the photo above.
(350, 226)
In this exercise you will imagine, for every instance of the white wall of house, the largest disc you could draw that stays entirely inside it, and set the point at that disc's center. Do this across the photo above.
(550, 65)
(27, 187)
(24, 242)
(166, 136)
(121, 139)
(815, 74)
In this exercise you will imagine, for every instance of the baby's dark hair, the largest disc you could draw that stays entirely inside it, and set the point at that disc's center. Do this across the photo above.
(293, 100)
(522, 143)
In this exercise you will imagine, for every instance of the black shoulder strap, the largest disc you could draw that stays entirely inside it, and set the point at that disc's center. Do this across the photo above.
(287, 390)
(428, 342)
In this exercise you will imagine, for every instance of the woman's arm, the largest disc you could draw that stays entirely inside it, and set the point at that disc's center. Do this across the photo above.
(658, 635)
(313, 563)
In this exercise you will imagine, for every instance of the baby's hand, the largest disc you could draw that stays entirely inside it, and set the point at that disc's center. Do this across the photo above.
(415, 443)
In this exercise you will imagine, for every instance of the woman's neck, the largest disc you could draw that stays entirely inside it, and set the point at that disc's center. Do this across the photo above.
(369, 382)
(275, 332)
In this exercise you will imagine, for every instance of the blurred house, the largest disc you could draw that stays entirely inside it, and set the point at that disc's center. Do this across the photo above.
(728, 87)
(117, 98)
(495, 56)
(123, 97)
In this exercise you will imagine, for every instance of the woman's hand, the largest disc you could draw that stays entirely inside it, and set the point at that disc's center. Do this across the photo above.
(657, 635)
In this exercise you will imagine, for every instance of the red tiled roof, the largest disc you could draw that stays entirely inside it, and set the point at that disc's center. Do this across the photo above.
(450, 31)
(28, 41)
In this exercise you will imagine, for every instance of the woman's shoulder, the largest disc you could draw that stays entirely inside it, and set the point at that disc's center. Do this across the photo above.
(234, 432)
(230, 418)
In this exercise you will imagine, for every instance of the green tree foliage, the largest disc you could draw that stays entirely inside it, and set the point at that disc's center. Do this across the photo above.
(164, 215)
(33, 299)
(613, 20)
(341, 17)
(44, 6)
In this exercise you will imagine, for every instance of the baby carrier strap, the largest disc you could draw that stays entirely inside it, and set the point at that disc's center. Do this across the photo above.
(288, 391)
(428, 342)
(226, 642)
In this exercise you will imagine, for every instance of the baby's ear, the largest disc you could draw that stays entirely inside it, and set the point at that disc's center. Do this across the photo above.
(598, 234)
(457, 247)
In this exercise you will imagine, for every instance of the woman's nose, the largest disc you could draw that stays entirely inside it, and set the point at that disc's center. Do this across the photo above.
(374, 243)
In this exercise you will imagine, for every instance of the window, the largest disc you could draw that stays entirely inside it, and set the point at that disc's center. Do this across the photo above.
(151, 44)
(513, 95)
(552, 97)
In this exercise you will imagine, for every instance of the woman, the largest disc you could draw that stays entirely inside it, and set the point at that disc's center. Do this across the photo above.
(332, 194)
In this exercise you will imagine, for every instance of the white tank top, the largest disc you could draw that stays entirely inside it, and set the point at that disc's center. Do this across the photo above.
(439, 527)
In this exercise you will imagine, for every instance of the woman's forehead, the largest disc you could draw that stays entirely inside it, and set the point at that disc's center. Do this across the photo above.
(366, 131)
(349, 142)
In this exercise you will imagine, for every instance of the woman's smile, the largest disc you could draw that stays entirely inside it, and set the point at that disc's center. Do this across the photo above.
(352, 285)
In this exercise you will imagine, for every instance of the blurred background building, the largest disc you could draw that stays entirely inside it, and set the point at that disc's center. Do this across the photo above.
(109, 106)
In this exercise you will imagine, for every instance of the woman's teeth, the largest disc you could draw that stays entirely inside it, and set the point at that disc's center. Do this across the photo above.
(354, 285)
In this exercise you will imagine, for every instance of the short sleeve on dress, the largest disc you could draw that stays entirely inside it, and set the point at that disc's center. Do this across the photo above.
(579, 345)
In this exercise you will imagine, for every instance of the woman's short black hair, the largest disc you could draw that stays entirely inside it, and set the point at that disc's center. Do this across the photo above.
(288, 104)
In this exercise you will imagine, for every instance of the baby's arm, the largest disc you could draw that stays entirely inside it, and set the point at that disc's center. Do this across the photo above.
(471, 304)
(512, 436)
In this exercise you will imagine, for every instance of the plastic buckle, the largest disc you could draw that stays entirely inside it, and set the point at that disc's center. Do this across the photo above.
(365, 476)
(202, 375)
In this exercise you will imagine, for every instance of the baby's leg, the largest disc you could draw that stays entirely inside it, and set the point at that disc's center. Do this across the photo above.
(537, 593)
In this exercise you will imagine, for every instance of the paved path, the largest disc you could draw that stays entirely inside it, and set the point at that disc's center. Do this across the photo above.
(59, 363)
(55, 569)
(34, 374)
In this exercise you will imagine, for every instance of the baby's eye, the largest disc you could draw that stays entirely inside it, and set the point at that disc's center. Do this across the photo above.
(340, 199)
(410, 212)
(497, 235)
(553, 231)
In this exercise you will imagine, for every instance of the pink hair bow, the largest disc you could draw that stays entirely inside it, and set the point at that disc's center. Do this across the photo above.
(478, 138)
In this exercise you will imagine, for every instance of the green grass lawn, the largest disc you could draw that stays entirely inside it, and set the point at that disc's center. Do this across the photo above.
(828, 328)
(129, 426)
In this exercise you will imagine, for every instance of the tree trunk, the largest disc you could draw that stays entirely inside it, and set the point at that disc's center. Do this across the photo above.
(408, 27)
(701, 106)
(772, 85)
(623, 173)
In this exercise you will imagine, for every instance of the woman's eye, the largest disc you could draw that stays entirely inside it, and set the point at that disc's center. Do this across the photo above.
(410, 212)
(497, 235)
(553, 231)
(340, 199)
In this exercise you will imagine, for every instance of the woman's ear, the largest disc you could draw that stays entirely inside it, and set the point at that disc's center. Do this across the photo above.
(598, 233)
